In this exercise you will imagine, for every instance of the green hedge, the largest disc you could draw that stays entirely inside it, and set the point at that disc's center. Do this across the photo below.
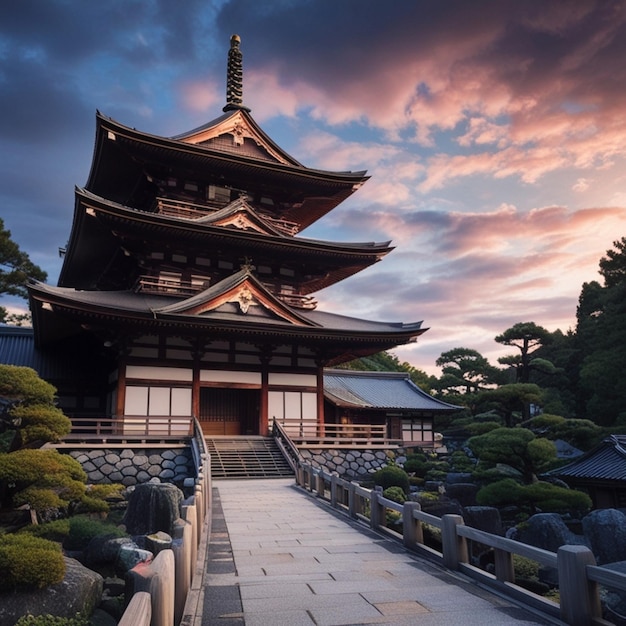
(29, 562)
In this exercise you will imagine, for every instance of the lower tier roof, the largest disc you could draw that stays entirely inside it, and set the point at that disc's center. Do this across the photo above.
(60, 312)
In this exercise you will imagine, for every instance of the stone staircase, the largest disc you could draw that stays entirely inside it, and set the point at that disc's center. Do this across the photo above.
(247, 457)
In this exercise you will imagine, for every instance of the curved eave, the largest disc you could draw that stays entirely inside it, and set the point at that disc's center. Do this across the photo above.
(360, 404)
(53, 307)
(313, 192)
(92, 240)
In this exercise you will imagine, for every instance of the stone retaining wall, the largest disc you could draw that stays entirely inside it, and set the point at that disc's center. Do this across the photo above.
(351, 463)
(134, 466)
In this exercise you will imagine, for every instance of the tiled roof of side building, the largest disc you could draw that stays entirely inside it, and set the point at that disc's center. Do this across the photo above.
(379, 390)
(605, 462)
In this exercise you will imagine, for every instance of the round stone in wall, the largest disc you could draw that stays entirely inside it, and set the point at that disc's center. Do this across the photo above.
(141, 460)
(143, 476)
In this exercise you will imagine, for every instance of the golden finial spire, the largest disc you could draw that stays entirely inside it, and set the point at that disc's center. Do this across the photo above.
(234, 77)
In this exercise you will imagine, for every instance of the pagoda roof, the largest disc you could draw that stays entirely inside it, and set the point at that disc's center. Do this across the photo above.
(239, 307)
(379, 390)
(606, 462)
(100, 225)
(214, 152)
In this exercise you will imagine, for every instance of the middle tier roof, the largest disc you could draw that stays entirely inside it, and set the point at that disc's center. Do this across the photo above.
(110, 244)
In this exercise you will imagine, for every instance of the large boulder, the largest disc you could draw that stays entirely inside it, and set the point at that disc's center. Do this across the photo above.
(486, 518)
(153, 507)
(463, 493)
(605, 529)
(548, 531)
(80, 591)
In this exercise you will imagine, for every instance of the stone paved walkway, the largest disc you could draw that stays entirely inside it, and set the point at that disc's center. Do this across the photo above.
(277, 557)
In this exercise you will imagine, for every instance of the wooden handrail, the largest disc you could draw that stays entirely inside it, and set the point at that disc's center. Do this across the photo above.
(131, 425)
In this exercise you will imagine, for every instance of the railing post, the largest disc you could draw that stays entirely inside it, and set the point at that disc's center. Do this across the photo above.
(412, 533)
(300, 475)
(352, 500)
(505, 571)
(333, 490)
(320, 486)
(377, 510)
(454, 547)
(580, 600)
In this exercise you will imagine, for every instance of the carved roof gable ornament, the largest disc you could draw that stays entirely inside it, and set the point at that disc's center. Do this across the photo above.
(242, 289)
(241, 215)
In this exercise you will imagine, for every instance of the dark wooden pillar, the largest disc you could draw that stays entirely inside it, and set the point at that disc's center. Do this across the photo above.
(320, 399)
(264, 408)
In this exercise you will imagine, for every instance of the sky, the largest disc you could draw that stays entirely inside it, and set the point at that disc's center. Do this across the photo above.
(494, 132)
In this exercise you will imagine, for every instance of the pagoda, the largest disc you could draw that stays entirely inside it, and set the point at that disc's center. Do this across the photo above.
(186, 278)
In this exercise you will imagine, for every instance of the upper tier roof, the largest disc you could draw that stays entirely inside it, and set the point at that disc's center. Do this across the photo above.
(231, 151)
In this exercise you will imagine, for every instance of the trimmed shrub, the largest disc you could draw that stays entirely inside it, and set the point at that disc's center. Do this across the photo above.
(56, 530)
(500, 493)
(391, 476)
(554, 499)
(23, 383)
(525, 568)
(29, 562)
(460, 462)
(396, 494)
(44, 479)
(84, 529)
(41, 422)
(416, 464)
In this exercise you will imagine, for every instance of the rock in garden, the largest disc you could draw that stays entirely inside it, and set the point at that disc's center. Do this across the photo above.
(153, 507)
(548, 531)
(80, 591)
(606, 531)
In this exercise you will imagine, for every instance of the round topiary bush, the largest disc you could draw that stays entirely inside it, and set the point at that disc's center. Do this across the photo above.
(416, 464)
(391, 476)
(29, 562)
(396, 494)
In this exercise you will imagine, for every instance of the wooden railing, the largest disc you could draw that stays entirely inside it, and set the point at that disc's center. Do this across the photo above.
(191, 211)
(578, 575)
(129, 428)
(346, 435)
(168, 287)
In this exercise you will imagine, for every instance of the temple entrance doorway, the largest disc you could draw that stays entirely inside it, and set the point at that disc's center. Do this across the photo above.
(229, 411)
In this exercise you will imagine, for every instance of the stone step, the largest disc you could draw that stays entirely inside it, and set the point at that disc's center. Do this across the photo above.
(246, 457)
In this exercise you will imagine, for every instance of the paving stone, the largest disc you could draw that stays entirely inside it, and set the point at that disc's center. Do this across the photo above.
(290, 561)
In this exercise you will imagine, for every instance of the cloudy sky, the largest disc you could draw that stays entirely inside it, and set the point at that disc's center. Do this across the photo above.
(494, 132)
